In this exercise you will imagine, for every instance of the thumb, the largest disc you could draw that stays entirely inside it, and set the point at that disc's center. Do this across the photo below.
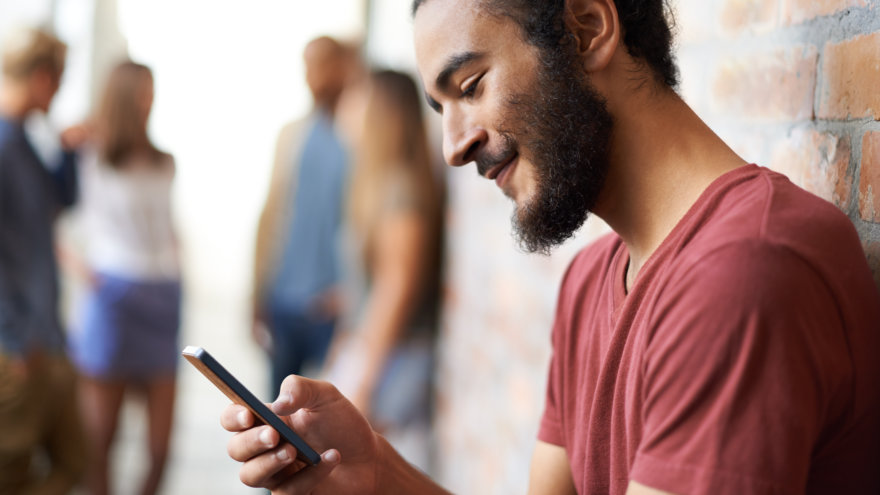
(298, 392)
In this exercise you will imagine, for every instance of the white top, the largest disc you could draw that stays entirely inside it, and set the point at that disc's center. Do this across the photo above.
(126, 214)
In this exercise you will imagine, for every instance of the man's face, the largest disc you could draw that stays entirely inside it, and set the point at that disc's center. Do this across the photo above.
(324, 71)
(43, 86)
(529, 119)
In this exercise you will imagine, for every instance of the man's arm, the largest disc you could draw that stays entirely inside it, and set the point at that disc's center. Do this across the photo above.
(66, 179)
(267, 238)
(740, 374)
(637, 489)
(355, 459)
(66, 174)
(550, 472)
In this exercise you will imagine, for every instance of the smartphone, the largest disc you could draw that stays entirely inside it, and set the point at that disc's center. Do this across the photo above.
(233, 389)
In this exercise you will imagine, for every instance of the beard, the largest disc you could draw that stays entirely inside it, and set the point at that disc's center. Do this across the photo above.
(562, 126)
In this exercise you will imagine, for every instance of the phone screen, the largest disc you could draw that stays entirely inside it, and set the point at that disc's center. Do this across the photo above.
(236, 392)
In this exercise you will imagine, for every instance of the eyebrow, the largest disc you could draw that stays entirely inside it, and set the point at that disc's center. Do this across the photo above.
(451, 66)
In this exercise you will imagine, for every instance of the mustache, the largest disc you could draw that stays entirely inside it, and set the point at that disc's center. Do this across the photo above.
(486, 160)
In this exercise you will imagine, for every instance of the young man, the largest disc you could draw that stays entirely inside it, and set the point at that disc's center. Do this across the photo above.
(38, 407)
(722, 340)
(296, 267)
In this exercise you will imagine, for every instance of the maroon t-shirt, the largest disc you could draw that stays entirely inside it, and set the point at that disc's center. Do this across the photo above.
(744, 360)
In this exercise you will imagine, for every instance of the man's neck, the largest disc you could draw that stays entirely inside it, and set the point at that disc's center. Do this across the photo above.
(327, 107)
(662, 158)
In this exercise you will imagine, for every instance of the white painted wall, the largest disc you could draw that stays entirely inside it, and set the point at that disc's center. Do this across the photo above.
(228, 75)
(389, 42)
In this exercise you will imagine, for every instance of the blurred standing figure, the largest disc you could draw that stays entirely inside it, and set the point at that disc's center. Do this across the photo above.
(296, 268)
(127, 335)
(384, 360)
(38, 412)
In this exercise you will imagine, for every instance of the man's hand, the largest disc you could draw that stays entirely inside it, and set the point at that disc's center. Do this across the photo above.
(327, 305)
(75, 136)
(327, 422)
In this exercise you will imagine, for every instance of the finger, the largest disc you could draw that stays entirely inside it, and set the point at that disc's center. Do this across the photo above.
(236, 418)
(249, 444)
(306, 480)
(261, 471)
(298, 392)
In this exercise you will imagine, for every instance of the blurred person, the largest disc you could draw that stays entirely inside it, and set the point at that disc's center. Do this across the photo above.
(383, 357)
(722, 340)
(40, 432)
(126, 336)
(296, 270)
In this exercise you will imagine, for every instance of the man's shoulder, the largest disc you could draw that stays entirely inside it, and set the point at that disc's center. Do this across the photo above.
(294, 128)
(764, 208)
(762, 237)
(289, 142)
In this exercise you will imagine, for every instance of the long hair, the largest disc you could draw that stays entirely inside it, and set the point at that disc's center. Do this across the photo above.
(121, 120)
(393, 153)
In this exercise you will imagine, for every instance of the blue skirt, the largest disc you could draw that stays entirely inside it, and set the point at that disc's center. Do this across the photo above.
(128, 330)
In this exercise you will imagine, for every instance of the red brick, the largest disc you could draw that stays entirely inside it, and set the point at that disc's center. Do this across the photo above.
(818, 162)
(779, 85)
(869, 178)
(748, 15)
(797, 11)
(850, 78)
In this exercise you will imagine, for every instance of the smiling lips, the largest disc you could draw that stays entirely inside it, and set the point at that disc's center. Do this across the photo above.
(501, 171)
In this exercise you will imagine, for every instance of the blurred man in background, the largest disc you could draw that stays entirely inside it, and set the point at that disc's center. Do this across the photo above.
(41, 442)
(296, 270)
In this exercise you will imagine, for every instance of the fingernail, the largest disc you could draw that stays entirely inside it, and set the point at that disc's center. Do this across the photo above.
(242, 418)
(266, 437)
(331, 456)
(282, 455)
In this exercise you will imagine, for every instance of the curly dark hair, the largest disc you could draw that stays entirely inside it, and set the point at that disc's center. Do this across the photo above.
(646, 27)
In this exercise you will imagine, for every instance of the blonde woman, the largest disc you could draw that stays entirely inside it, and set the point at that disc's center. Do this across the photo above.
(382, 359)
(126, 337)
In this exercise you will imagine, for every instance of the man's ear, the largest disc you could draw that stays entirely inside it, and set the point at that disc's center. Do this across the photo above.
(596, 31)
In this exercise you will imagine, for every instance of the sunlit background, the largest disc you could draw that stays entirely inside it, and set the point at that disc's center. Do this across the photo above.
(228, 75)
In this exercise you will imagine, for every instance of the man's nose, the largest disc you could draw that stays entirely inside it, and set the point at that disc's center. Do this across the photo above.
(462, 142)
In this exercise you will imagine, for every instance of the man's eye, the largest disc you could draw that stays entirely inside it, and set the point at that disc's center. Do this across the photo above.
(470, 90)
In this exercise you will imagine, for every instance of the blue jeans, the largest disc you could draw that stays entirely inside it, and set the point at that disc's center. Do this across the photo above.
(299, 340)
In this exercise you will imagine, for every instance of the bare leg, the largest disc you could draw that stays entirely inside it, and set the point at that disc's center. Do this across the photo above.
(100, 402)
(160, 412)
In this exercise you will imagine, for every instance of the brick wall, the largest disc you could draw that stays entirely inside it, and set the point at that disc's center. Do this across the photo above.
(794, 85)
(790, 84)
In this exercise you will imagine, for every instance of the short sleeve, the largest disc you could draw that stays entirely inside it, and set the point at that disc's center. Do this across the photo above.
(550, 429)
(743, 357)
